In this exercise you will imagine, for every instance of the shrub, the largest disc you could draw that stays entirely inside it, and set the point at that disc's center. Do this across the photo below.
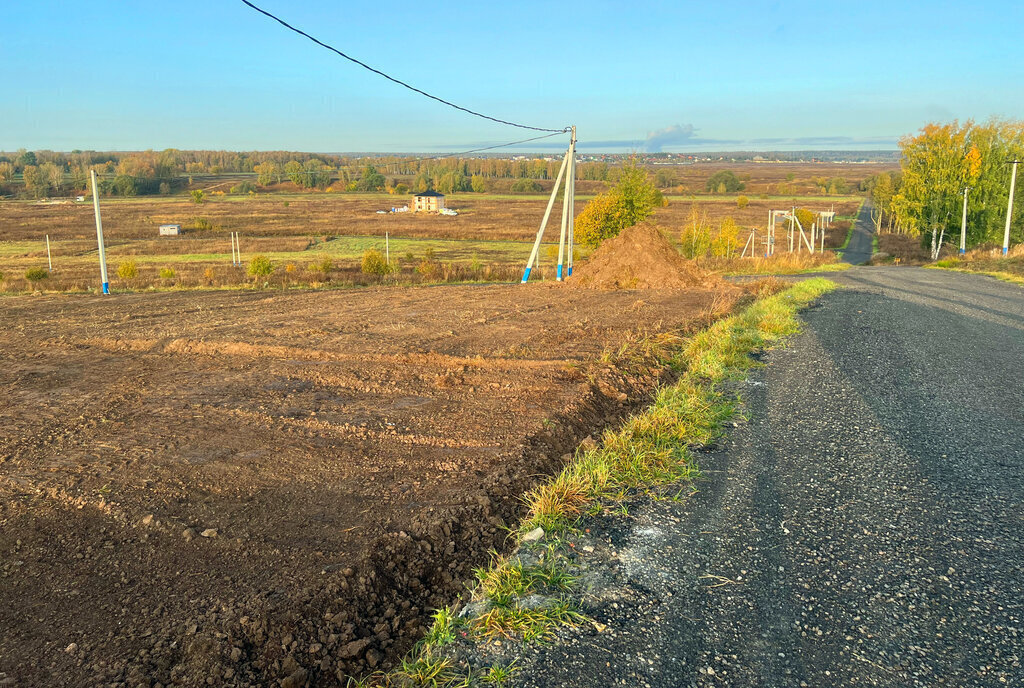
(324, 265)
(742, 202)
(208, 275)
(724, 181)
(1, 276)
(167, 273)
(243, 188)
(198, 195)
(260, 266)
(631, 200)
(36, 274)
(289, 268)
(526, 186)
(128, 270)
(165, 188)
(201, 223)
(374, 263)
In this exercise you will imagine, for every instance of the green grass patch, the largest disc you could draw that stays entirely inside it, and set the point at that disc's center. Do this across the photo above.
(954, 265)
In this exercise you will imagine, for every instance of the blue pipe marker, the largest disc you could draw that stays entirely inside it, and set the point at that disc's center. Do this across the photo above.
(106, 287)
(570, 271)
(559, 271)
(526, 275)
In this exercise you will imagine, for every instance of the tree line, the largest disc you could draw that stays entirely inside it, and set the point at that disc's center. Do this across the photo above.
(150, 172)
(925, 198)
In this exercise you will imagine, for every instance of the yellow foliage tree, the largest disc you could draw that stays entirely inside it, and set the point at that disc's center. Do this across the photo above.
(696, 235)
(724, 245)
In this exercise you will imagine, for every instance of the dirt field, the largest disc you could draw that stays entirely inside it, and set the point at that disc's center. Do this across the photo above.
(242, 487)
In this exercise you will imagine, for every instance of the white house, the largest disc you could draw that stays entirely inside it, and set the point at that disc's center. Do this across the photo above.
(170, 230)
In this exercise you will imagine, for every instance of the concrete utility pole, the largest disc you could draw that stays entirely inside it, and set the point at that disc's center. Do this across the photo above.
(566, 208)
(963, 225)
(99, 233)
(1009, 208)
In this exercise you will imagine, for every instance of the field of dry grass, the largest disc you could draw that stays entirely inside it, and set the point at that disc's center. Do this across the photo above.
(488, 240)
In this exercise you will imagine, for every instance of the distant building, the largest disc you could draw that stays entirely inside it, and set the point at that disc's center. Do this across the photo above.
(427, 202)
(170, 230)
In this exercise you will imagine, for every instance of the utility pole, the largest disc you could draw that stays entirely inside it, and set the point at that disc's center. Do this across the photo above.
(566, 207)
(99, 233)
(963, 225)
(1009, 208)
(49, 260)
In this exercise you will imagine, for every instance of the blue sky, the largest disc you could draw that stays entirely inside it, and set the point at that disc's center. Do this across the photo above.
(675, 76)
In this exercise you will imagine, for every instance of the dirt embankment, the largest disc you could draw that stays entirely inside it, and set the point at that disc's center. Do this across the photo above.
(246, 488)
(639, 258)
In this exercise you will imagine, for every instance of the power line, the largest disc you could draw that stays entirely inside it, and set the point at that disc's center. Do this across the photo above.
(393, 79)
(479, 150)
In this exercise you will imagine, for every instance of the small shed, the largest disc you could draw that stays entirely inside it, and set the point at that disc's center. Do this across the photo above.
(170, 230)
(427, 202)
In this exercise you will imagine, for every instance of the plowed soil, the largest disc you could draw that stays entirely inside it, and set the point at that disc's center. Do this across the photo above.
(246, 488)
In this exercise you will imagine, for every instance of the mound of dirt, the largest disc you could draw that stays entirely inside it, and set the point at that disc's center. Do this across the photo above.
(639, 258)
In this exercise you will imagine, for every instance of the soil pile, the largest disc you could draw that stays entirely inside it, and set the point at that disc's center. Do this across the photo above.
(639, 258)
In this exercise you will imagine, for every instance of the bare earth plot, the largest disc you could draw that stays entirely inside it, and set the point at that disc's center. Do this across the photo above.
(244, 487)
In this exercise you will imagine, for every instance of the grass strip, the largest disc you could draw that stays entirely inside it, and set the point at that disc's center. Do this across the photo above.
(653, 448)
(954, 265)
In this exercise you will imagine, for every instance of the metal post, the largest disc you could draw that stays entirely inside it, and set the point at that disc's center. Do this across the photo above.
(1009, 208)
(822, 233)
(238, 247)
(49, 260)
(963, 225)
(99, 232)
(565, 210)
(535, 254)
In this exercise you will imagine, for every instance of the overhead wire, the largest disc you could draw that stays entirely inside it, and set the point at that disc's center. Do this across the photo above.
(398, 81)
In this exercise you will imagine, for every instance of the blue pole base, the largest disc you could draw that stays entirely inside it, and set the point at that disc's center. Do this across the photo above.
(559, 277)
(526, 275)
(570, 271)
(106, 287)
(962, 252)
(1005, 249)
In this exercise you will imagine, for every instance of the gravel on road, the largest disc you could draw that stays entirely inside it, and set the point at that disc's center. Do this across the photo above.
(864, 527)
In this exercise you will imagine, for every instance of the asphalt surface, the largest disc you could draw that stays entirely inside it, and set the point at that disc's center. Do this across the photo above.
(861, 245)
(865, 526)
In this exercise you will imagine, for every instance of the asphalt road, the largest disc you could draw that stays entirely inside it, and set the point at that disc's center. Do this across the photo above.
(865, 527)
(859, 250)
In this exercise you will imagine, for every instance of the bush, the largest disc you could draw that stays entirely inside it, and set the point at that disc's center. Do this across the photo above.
(724, 181)
(128, 270)
(36, 274)
(631, 200)
(243, 188)
(742, 202)
(527, 186)
(324, 265)
(260, 266)
(374, 263)
(167, 273)
(165, 188)
(201, 223)
(198, 195)
(1, 276)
